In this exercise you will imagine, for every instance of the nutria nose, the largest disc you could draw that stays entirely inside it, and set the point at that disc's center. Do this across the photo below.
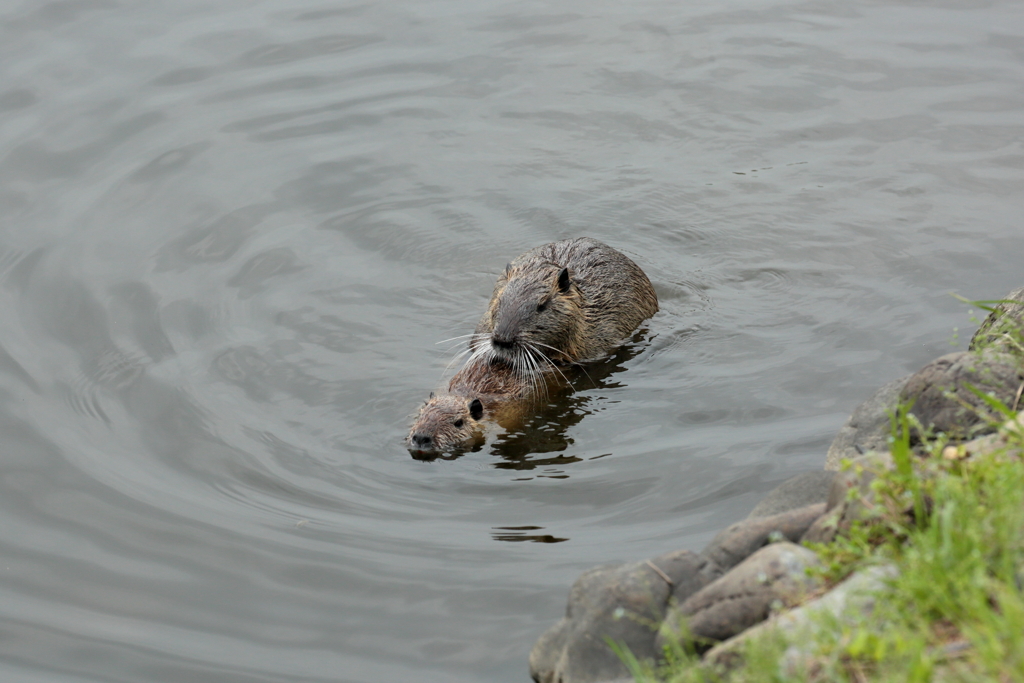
(503, 343)
(422, 440)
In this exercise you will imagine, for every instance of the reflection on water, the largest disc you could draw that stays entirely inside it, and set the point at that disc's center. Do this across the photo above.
(517, 533)
(547, 430)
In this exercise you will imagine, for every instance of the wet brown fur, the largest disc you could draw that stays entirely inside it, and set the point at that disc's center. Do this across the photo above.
(505, 398)
(608, 297)
(584, 317)
(446, 420)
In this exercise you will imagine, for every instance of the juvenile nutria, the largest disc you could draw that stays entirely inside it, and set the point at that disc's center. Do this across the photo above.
(450, 420)
(558, 304)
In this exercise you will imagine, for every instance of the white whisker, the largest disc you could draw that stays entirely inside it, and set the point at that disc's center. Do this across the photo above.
(584, 370)
(540, 384)
(526, 367)
(479, 339)
(538, 359)
(455, 359)
(579, 365)
(461, 336)
(549, 362)
(484, 352)
(527, 372)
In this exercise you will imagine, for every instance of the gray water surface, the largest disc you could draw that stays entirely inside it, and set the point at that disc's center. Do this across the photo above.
(232, 232)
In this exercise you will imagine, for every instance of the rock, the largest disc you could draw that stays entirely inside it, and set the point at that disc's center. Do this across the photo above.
(942, 397)
(868, 427)
(824, 529)
(857, 594)
(737, 542)
(625, 603)
(840, 510)
(936, 390)
(800, 491)
(775, 576)
(548, 650)
(1009, 437)
(1003, 327)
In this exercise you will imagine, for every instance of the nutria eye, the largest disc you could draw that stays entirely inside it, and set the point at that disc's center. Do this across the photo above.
(458, 423)
(541, 306)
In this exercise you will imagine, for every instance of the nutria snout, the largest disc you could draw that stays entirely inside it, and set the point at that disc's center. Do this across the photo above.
(561, 303)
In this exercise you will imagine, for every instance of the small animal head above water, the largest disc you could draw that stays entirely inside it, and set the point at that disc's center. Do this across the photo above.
(535, 316)
(445, 423)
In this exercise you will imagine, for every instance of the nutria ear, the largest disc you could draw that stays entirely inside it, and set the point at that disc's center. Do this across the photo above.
(431, 395)
(563, 281)
(476, 409)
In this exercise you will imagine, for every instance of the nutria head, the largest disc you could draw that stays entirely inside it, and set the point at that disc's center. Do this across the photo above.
(535, 317)
(445, 423)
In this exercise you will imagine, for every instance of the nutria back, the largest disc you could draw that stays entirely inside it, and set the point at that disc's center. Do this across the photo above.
(564, 302)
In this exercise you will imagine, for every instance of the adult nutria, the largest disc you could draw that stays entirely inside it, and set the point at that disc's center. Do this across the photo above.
(558, 304)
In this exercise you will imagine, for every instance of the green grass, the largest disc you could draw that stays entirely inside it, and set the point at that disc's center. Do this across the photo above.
(998, 330)
(952, 523)
(954, 527)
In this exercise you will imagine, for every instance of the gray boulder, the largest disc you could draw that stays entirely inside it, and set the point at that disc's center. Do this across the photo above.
(848, 602)
(772, 578)
(868, 427)
(800, 491)
(1003, 327)
(627, 603)
(736, 543)
(942, 396)
(841, 511)
(941, 399)
(624, 603)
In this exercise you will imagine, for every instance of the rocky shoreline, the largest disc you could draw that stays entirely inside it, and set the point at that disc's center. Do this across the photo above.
(753, 575)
